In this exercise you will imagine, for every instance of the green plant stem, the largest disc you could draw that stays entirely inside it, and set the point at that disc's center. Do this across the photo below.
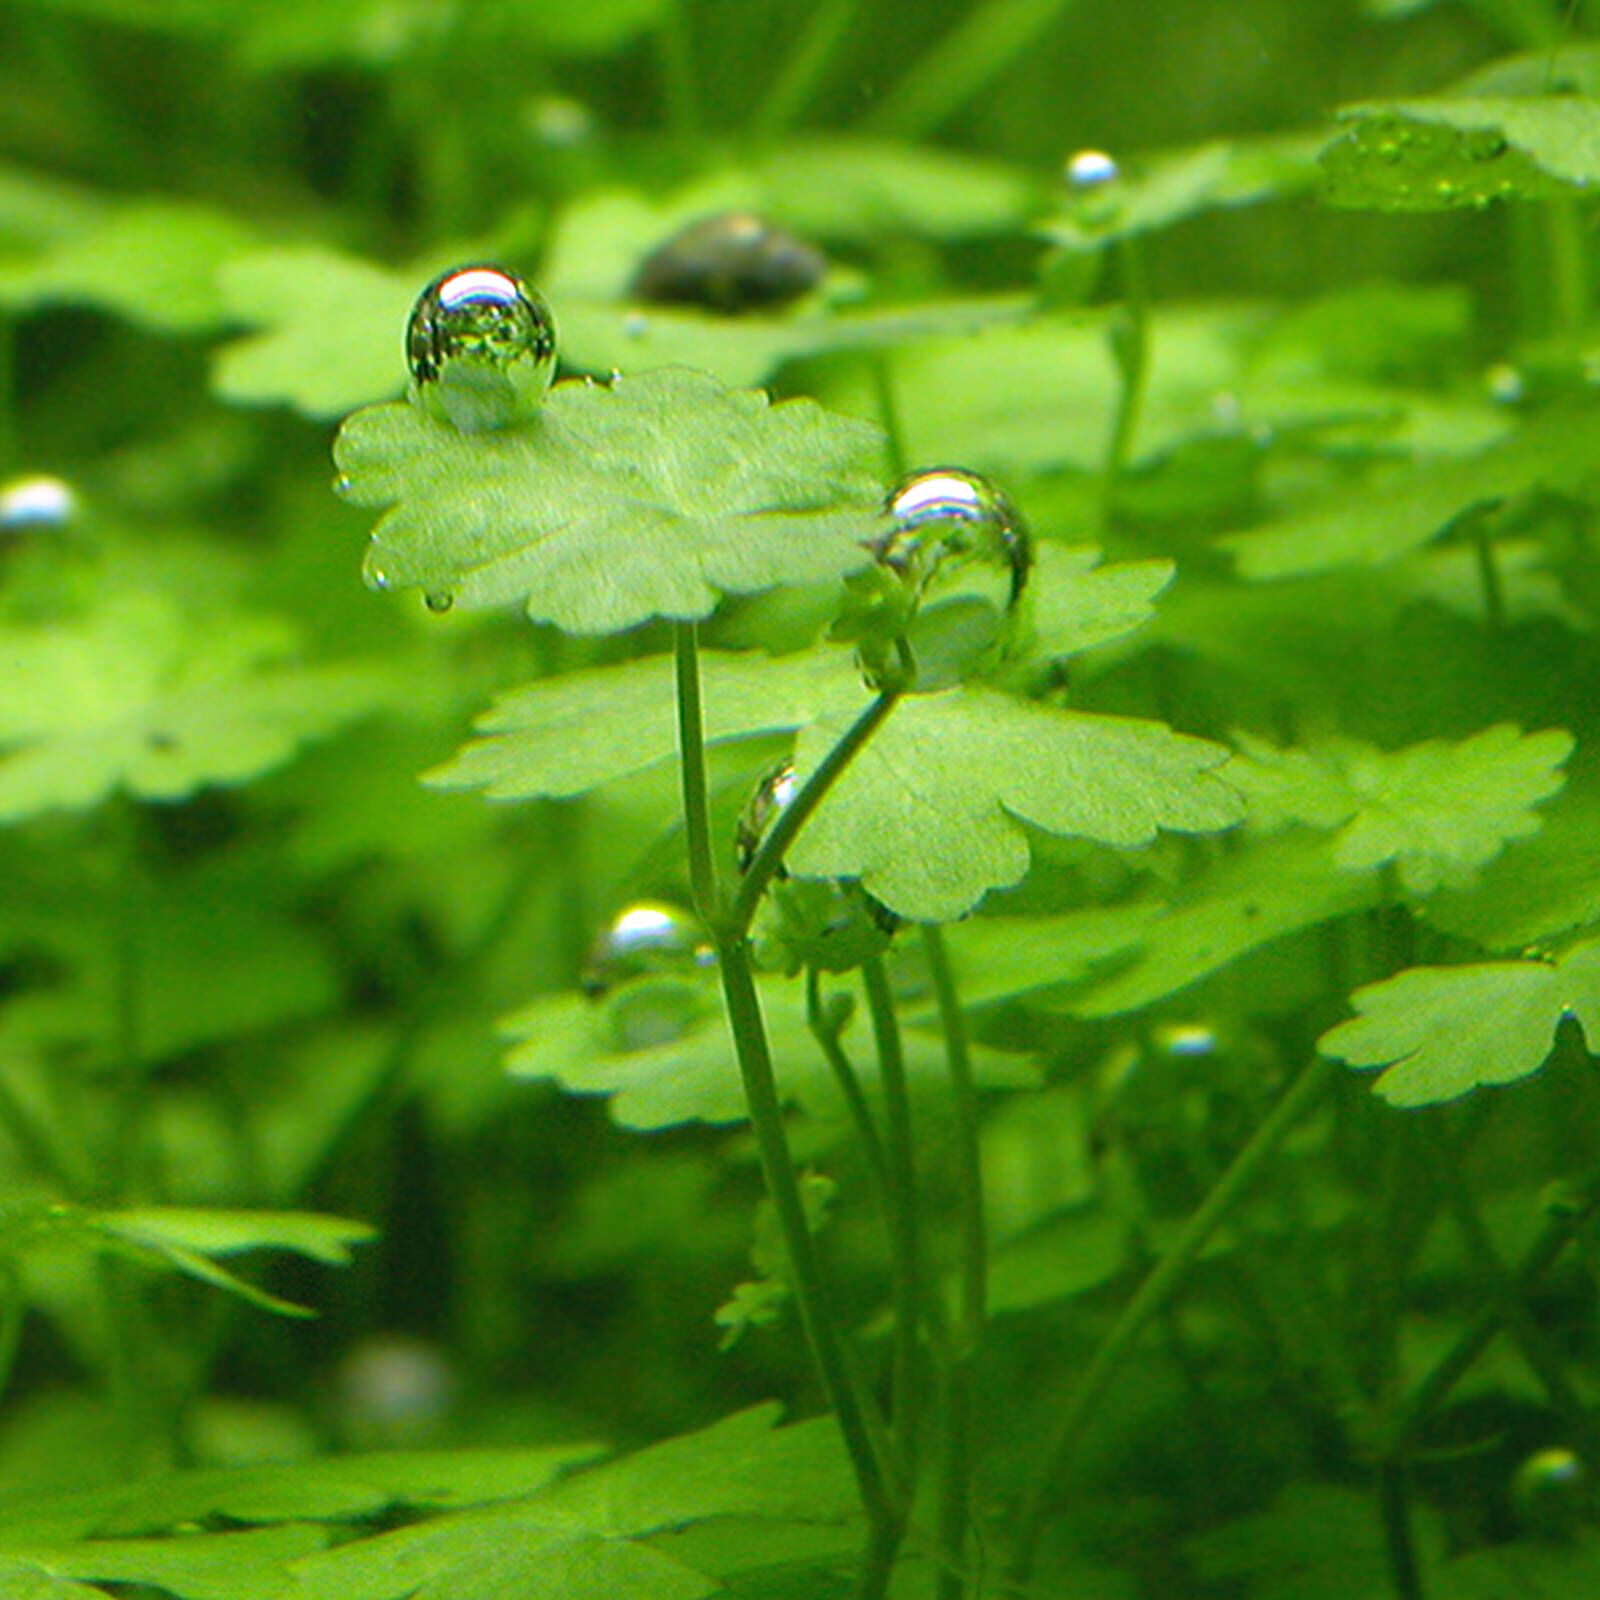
(803, 68)
(889, 415)
(8, 394)
(826, 1033)
(1489, 579)
(865, 1443)
(900, 1148)
(696, 795)
(1130, 348)
(1394, 1510)
(680, 90)
(982, 45)
(127, 1015)
(1158, 1287)
(35, 1142)
(794, 816)
(12, 1308)
(1569, 285)
(953, 1493)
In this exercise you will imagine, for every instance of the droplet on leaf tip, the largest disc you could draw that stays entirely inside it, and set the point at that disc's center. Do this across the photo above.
(481, 346)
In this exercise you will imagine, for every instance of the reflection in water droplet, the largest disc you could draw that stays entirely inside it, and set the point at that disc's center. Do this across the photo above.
(947, 513)
(731, 262)
(482, 349)
(761, 810)
(648, 936)
(439, 601)
(1090, 169)
(35, 503)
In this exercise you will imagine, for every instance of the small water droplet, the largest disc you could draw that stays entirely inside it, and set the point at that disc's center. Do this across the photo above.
(1553, 1492)
(481, 346)
(1389, 152)
(439, 601)
(559, 121)
(731, 262)
(1505, 384)
(1090, 169)
(342, 485)
(635, 325)
(37, 503)
(393, 1389)
(948, 513)
(1226, 411)
(1448, 191)
(1484, 144)
(648, 936)
(771, 797)
(1186, 1039)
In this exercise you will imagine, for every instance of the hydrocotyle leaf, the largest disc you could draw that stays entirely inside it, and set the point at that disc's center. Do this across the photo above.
(1440, 1032)
(1077, 603)
(1437, 810)
(1438, 155)
(649, 497)
(931, 814)
(1407, 508)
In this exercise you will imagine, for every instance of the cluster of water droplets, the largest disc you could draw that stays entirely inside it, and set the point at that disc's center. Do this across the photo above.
(1423, 166)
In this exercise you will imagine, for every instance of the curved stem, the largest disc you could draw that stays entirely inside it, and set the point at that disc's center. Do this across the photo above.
(1164, 1279)
(1130, 348)
(902, 1169)
(803, 68)
(826, 1033)
(794, 816)
(692, 769)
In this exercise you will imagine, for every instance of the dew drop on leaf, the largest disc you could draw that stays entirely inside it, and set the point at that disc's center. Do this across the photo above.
(439, 601)
(36, 504)
(647, 936)
(1090, 169)
(481, 346)
(1553, 1492)
(947, 513)
(1505, 384)
(733, 261)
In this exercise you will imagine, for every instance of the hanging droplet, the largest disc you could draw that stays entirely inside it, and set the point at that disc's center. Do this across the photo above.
(438, 601)
(482, 349)
(1090, 169)
(772, 795)
(946, 514)
(1553, 1492)
(649, 936)
(36, 504)
(733, 261)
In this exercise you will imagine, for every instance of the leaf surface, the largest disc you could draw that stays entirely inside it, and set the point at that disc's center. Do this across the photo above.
(650, 497)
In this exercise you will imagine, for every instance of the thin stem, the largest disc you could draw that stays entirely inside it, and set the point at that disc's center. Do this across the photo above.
(826, 1033)
(127, 1020)
(1489, 579)
(794, 816)
(1394, 1508)
(1164, 1279)
(862, 1439)
(12, 1308)
(675, 59)
(899, 1145)
(877, 1560)
(953, 1493)
(1568, 265)
(1130, 348)
(889, 414)
(8, 393)
(803, 68)
(696, 795)
(35, 1141)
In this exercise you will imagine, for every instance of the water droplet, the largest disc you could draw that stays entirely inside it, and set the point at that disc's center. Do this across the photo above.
(342, 485)
(761, 810)
(482, 349)
(559, 121)
(1186, 1039)
(1553, 1492)
(947, 514)
(733, 261)
(439, 601)
(1388, 151)
(1505, 384)
(393, 1389)
(1484, 144)
(37, 503)
(1090, 169)
(1448, 191)
(648, 936)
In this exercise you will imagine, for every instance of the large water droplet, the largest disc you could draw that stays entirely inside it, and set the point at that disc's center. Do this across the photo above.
(37, 503)
(734, 261)
(771, 796)
(1090, 169)
(482, 349)
(648, 936)
(946, 514)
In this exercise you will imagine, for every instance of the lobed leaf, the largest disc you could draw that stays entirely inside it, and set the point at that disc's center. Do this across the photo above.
(650, 497)
(932, 814)
(1436, 810)
(1440, 1032)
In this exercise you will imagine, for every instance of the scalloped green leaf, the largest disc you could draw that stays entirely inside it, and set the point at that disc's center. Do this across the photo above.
(1440, 1032)
(580, 1045)
(1440, 155)
(329, 330)
(141, 697)
(1436, 810)
(1077, 604)
(932, 814)
(650, 497)
(1172, 186)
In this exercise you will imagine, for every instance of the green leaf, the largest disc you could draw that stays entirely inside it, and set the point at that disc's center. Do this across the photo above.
(583, 1046)
(931, 814)
(650, 497)
(138, 696)
(1439, 155)
(21, 1581)
(330, 334)
(1173, 186)
(153, 262)
(1407, 507)
(1436, 810)
(996, 958)
(1263, 891)
(1078, 604)
(1440, 1032)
